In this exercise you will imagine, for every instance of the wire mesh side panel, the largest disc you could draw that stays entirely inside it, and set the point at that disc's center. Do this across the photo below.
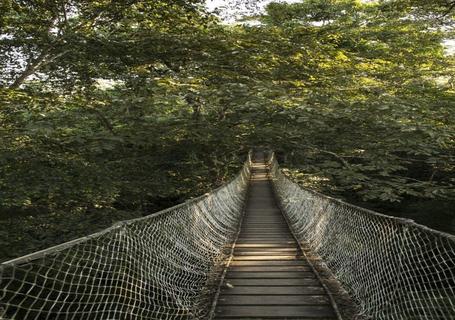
(163, 266)
(394, 268)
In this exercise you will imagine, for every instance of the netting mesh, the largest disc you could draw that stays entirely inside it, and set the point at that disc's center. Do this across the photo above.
(393, 268)
(163, 266)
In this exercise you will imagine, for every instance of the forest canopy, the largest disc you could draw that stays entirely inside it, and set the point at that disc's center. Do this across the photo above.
(115, 109)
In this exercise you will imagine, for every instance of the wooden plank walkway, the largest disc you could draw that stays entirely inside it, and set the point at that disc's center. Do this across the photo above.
(268, 277)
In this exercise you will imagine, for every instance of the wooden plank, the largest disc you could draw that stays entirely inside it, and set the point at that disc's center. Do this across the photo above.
(263, 213)
(257, 214)
(264, 226)
(270, 268)
(235, 263)
(270, 241)
(261, 290)
(258, 206)
(267, 257)
(263, 221)
(272, 311)
(256, 249)
(287, 240)
(263, 245)
(266, 237)
(270, 219)
(274, 300)
(263, 195)
(263, 217)
(256, 223)
(262, 253)
(270, 318)
(259, 223)
(273, 282)
(270, 275)
(269, 232)
(267, 229)
(264, 201)
(266, 220)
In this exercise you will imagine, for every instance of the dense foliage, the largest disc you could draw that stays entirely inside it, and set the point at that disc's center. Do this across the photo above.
(114, 109)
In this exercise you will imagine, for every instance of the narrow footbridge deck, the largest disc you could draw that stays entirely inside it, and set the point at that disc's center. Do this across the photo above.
(268, 276)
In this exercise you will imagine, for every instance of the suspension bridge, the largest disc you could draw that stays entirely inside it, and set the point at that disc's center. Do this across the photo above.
(259, 247)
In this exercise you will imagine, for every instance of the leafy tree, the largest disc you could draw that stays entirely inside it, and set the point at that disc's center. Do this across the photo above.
(116, 109)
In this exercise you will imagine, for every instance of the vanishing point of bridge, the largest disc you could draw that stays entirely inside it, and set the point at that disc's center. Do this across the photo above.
(239, 253)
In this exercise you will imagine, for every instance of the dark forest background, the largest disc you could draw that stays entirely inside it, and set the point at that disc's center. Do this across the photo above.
(111, 110)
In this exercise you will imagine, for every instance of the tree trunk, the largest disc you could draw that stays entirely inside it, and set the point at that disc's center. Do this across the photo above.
(42, 60)
(29, 70)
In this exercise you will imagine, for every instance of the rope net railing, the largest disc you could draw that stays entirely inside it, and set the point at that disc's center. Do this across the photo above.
(393, 268)
(162, 266)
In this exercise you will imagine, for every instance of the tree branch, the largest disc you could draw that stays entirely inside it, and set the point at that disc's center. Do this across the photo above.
(333, 154)
(42, 60)
(29, 70)
(45, 57)
(449, 9)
